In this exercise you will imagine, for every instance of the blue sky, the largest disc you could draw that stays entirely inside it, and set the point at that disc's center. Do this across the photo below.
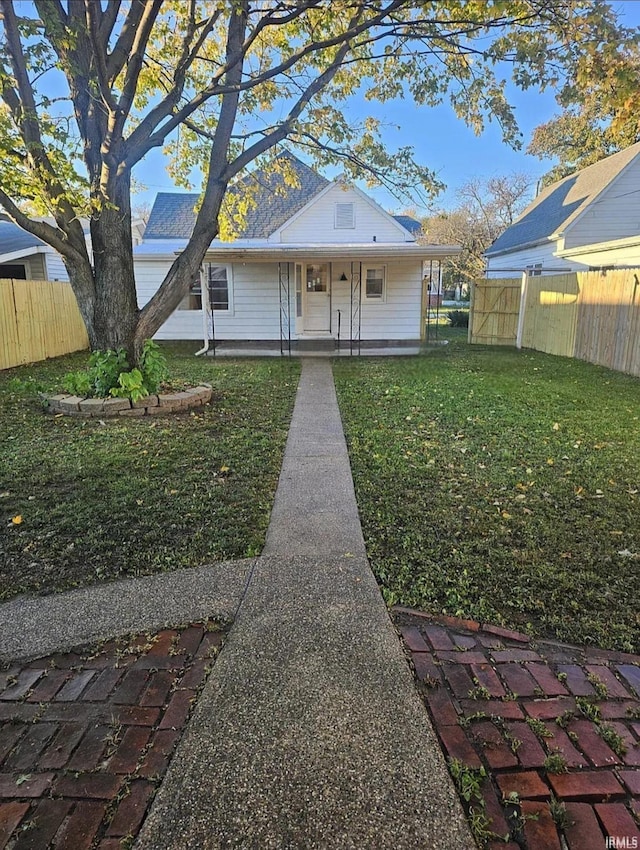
(441, 141)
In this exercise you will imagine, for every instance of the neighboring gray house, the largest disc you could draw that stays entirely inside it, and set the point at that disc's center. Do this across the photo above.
(589, 220)
(318, 260)
(25, 257)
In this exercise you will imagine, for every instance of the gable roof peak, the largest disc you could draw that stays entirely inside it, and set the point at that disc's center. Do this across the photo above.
(558, 205)
(273, 202)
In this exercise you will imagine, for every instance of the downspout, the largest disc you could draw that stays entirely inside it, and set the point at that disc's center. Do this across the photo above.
(204, 296)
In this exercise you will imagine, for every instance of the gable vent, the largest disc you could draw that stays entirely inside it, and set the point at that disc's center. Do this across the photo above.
(345, 216)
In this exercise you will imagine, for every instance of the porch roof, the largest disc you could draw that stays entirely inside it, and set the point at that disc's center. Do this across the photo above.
(279, 251)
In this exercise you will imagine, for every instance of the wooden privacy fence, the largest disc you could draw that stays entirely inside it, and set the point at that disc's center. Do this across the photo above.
(38, 319)
(592, 316)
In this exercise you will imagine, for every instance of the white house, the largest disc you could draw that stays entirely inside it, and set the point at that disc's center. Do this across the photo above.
(589, 220)
(320, 260)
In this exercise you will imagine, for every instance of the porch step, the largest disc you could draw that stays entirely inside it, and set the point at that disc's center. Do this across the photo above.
(315, 344)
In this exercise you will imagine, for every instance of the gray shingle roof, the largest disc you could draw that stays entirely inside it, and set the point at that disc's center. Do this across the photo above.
(557, 206)
(409, 223)
(173, 216)
(14, 238)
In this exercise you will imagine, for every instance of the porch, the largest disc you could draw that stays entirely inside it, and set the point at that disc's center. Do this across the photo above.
(307, 347)
(331, 300)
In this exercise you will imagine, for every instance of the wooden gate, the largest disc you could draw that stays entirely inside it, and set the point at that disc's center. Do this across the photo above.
(495, 306)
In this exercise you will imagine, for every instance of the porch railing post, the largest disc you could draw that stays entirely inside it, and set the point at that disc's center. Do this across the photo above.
(355, 323)
(284, 292)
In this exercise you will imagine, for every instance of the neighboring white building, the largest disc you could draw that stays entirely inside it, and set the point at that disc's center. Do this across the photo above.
(25, 257)
(589, 220)
(319, 260)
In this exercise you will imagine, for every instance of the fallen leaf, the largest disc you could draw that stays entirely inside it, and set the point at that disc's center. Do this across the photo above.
(17, 520)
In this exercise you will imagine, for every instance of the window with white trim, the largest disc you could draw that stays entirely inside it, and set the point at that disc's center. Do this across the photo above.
(345, 216)
(375, 282)
(219, 281)
(218, 277)
(534, 270)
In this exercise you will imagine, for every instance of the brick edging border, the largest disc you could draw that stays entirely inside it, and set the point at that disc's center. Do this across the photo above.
(152, 405)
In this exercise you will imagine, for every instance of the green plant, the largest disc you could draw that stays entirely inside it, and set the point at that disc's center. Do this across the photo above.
(565, 718)
(77, 383)
(555, 763)
(559, 813)
(613, 739)
(479, 691)
(480, 825)
(74, 481)
(24, 386)
(468, 780)
(538, 728)
(514, 743)
(465, 722)
(104, 369)
(588, 708)
(458, 318)
(130, 385)
(108, 374)
(598, 685)
(153, 365)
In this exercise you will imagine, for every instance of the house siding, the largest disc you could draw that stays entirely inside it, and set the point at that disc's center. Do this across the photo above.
(56, 269)
(34, 266)
(614, 215)
(256, 303)
(396, 317)
(514, 263)
(317, 223)
(618, 257)
(255, 310)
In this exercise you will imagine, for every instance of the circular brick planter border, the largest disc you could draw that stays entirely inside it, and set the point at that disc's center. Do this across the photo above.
(153, 405)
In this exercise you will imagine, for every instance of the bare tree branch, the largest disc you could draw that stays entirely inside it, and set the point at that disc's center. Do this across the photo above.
(94, 12)
(51, 235)
(23, 107)
(116, 60)
(109, 18)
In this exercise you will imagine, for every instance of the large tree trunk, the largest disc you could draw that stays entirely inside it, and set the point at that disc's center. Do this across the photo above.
(185, 268)
(115, 314)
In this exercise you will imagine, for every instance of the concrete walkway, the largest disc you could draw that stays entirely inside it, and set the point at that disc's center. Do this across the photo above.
(309, 732)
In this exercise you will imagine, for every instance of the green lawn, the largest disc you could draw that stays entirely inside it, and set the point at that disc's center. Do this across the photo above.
(502, 486)
(137, 496)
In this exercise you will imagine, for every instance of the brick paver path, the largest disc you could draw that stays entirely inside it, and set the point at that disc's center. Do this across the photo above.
(504, 704)
(86, 736)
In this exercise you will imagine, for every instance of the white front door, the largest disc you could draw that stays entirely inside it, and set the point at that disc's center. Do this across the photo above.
(317, 300)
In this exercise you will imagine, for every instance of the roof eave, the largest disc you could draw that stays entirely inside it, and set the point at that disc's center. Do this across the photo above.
(24, 252)
(524, 246)
(594, 247)
(378, 250)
